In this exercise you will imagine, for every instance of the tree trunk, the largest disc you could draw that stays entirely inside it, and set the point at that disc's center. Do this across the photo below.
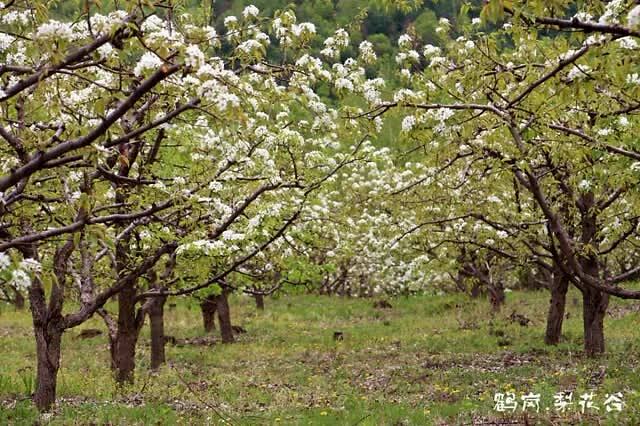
(476, 290)
(594, 308)
(224, 317)
(126, 337)
(496, 297)
(259, 302)
(18, 301)
(156, 319)
(558, 286)
(48, 358)
(47, 326)
(208, 307)
(594, 302)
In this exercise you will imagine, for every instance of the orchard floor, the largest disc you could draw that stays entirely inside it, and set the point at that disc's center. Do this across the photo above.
(426, 360)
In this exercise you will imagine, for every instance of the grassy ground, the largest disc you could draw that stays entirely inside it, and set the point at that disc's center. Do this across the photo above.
(427, 360)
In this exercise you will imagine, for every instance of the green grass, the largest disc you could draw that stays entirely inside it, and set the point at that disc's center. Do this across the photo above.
(428, 360)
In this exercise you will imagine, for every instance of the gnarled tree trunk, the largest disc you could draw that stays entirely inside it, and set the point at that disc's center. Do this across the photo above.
(259, 301)
(156, 319)
(18, 300)
(208, 307)
(126, 338)
(594, 302)
(558, 287)
(496, 296)
(224, 317)
(594, 308)
(48, 358)
(48, 325)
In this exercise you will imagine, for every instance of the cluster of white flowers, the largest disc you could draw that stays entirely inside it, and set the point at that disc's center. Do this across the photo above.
(8, 163)
(410, 56)
(344, 84)
(5, 41)
(633, 18)
(250, 12)
(605, 131)
(21, 276)
(105, 51)
(305, 29)
(371, 90)
(54, 30)
(405, 41)
(334, 45)
(407, 95)
(628, 42)
(201, 246)
(194, 57)
(20, 279)
(623, 121)
(250, 47)
(101, 24)
(408, 123)
(612, 12)
(438, 60)
(583, 17)
(16, 17)
(148, 62)
(367, 54)
(30, 265)
(633, 78)
(430, 50)
(584, 185)
(231, 22)
(282, 27)
(5, 261)
(230, 235)
(443, 26)
(578, 72)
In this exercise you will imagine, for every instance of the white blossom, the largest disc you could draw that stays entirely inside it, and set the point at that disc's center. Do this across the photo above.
(623, 121)
(30, 265)
(634, 17)
(628, 42)
(148, 61)
(344, 84)
(5, 261)
(105, 50)
(304, 28)
(194, 57)
(408, 123)
(54, 30)
(583, 17)
(20, 279)
(578, 72)
(5, 41)
(612, 12)
(367, 54)
(250, 12)
(230, 22)
(404, 42)
(430, 50)
(633, 78)
(584, 185)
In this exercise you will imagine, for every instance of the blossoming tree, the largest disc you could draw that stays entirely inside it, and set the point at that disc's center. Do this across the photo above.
(549, 115)
(145, 159)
